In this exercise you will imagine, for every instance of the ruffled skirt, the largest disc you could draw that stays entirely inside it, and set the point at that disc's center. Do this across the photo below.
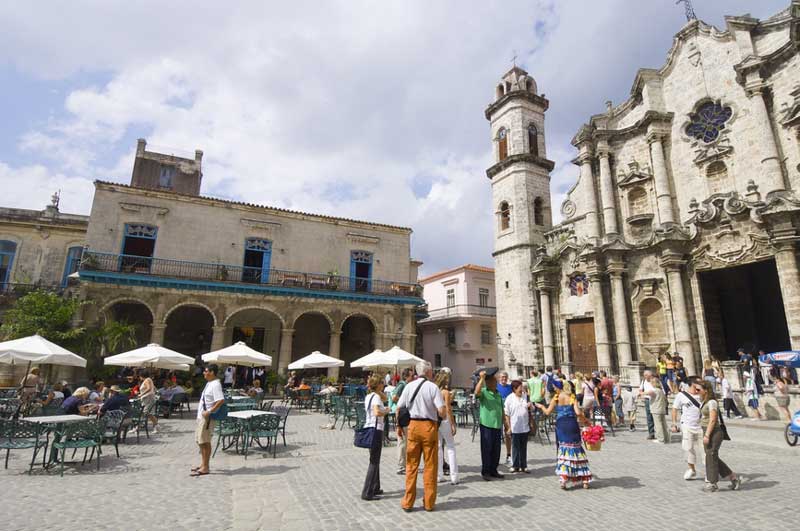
(572, 464)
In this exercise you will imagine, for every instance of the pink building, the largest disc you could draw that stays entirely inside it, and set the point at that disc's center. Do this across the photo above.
(460, 330)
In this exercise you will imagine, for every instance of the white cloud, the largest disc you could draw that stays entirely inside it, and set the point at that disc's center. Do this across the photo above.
(331, 107)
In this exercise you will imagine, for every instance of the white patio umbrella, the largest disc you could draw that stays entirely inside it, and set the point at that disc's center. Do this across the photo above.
(316, 360)
(238, 354)
(393, 358)
(154, 356)
(36, 349)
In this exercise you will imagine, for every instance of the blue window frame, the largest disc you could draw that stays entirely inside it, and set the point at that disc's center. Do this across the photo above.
(257, 257)
(8, 250)
(138, 247)
(72, 264)
(361, 270)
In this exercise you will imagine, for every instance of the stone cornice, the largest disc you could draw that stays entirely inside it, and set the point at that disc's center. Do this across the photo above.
(530, 158)
(589, 133)
(516, 94)
(513, 248)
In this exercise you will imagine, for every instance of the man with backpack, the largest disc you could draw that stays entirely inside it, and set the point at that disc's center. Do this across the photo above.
(688, 404)
(422, 406)
(211, 399)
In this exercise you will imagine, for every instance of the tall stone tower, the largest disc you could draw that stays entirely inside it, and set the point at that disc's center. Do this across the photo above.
(520, 179)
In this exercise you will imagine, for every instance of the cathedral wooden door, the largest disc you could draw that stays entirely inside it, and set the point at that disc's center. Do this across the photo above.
(582, 347)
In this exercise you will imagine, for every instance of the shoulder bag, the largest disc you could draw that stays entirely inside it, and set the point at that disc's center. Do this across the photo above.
(363, 436)
(220, 413)
(404, 412)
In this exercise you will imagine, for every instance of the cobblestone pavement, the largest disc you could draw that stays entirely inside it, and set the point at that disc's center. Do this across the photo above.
(315, 482)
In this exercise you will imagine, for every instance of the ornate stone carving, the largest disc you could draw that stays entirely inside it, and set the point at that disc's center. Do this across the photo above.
(568, 208)
(634, 175)
(362, 238)
(137, 207)
(732, 247)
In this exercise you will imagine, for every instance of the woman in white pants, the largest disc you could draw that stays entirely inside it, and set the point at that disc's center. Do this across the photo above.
(447, 429)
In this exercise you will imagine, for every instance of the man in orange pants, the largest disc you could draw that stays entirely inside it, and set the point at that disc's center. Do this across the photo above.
(425, 404)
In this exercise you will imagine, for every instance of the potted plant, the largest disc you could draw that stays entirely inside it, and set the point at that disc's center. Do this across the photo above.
(333, 279)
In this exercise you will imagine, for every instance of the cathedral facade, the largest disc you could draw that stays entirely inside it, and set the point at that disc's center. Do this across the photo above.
(680, 233)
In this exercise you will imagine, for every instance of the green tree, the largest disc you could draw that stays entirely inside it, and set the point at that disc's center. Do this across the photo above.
(44, 313)
(110, 338)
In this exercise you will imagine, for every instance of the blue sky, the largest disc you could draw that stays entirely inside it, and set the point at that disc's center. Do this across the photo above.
(369, 110)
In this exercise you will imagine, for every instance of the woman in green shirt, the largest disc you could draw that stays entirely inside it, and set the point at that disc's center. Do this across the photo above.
(712, 440)
(491, 423)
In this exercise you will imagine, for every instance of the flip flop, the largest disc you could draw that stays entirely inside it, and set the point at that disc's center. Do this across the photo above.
(195, 468)
(197, 473)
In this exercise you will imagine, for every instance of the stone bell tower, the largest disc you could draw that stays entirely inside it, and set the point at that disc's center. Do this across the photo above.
(520, 178)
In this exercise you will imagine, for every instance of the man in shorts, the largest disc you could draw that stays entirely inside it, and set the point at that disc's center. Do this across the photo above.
(211, 399)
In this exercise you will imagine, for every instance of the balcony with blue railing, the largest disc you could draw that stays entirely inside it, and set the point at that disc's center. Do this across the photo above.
(163, 272)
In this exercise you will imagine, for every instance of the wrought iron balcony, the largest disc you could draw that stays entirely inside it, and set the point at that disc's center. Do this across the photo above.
(216, 276)
(461, 310)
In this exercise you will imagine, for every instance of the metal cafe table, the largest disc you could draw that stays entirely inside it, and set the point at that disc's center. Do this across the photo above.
(244, 419)
(56, 424)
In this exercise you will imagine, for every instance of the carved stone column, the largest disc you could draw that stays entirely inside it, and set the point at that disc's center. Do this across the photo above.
(157, 334)
(661, 179)
(607, 190)
(590, 200)
(602, 343)
(771, 175)
(334, 348)
(285, 356)
(680, 314)
(786, 261)
(218, 338)
(620, 308)
(545, 290)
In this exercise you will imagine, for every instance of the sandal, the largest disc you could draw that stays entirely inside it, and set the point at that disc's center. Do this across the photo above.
(563, 486)
(198, 473)
(585, 485)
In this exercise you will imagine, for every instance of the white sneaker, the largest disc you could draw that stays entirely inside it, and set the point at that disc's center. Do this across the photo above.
(509, 462)
(454, 482)
(689, 474)
(442, 479)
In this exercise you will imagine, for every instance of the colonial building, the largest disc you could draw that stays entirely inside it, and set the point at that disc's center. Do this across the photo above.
(680, 232)
(198, 273)
(459, 331)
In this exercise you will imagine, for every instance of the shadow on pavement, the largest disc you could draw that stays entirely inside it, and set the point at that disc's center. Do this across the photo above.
(623, 482)
(483, 502)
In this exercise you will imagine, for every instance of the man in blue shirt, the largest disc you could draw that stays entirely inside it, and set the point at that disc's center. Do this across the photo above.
(115, 400)
(504, 389)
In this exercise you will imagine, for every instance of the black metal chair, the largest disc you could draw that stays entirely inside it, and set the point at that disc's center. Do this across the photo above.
(113, 426)
(229, 431)
(85, 434)
(283, 413)
(19, 434)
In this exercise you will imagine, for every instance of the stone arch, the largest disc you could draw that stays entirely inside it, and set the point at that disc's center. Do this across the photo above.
(638, 201)
(107, 306)
(261, 308)
(189, 303)
(653, 329)
(359, 314)
(318, 312)
(312, 331)
(499, 92)
(189, 328)
(359, 338)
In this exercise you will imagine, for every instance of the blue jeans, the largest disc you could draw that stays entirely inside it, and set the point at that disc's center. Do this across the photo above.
(519, 450)
(618, 409)
(651, 424)
(490, 449)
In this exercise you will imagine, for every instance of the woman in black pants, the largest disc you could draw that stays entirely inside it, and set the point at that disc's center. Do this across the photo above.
(375, 413)
(713, 435)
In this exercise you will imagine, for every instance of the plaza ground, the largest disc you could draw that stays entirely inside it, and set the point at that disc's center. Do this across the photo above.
(315, 483)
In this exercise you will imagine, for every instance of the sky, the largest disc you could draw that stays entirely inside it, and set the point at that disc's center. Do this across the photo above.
(362, 109)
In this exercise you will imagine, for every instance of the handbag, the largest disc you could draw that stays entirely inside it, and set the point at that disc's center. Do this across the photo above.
(219, 414)
(722, 427)
(363, 437)
(404, 412)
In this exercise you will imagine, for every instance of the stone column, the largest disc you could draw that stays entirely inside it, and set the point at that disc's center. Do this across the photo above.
(218, 338)
(620, 308)
(607, 191)
(771, 175)
(600, 323)
(157, 334)
(334, 347)
(590, 200)
(547, 326)
(661, 179)
(285, 356)
(680, 314)
(786, 261)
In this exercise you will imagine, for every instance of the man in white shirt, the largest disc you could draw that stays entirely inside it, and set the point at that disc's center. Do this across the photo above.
(645, 390)
(426, 406)
(230, 372)
(211, 399)
(688, 404)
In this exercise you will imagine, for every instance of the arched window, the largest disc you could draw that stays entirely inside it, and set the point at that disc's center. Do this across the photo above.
(533, 140)
(538, 211)
(502, 143)
(637, 201)
(529, 85)
(7, 251)
(708, 121)
(717, 177)
(499, 92)
(505, 216)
